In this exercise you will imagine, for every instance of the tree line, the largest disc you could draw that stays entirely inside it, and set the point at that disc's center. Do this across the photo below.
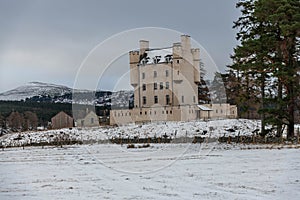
(265, 71)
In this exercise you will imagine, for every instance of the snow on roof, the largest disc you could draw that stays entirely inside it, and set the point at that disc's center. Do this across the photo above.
(204, 108)
(152, 53)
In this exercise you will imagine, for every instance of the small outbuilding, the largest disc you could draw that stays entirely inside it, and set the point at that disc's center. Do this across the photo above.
(89, 120)
(62, 120)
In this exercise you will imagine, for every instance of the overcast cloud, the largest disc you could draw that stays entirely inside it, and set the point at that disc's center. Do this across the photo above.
(47, 40)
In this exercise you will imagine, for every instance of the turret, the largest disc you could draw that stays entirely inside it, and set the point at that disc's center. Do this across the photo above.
(196, 63)
(134, 57)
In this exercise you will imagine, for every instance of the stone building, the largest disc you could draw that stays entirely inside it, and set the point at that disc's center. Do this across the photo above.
(88, 120)
(165, 82)
(62, 120)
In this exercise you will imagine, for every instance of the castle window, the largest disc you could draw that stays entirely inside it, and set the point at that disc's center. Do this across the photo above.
(167, 99)
(155, 86)
(144, 87)
(194, 99)
(178, 61)
(178, 72)
(155, 74)
(143, 75)
(166, 112)
(145, 112)
(161, 85)
(167, 85)
(155, 99)
(167, 73)
(170, 111)
(182, 99)
(141, 113)
(144, 100)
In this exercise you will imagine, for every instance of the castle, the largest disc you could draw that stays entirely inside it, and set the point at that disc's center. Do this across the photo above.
(165, 82)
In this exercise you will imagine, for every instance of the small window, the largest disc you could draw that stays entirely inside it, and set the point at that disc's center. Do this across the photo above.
(144, 100)
(141, 113)
(194, 99)
(145, 112)
(155, 99)
(167, 73)
(216, 110)
(170, 111)
(178, 72)
(143, 75)
(167, 99)
(167, 85)
(155, 74)
(144, 87)
(162, 112)
(155, 86)
(161, 85)
(178, 61)
(182, 99)
(166, 112)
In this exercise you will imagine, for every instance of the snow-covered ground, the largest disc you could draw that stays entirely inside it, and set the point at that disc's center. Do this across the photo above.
(213, 129)
(168, 171)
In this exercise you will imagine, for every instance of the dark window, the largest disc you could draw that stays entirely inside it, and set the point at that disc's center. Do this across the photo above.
(194, 99)
(167, 99)
(155, 86)
(177, 61)
(161, 85)
(167, 73)
(155, 74)
(144, 100)
(167, 85)
(144, 87)
(182, 99)
(155, 99)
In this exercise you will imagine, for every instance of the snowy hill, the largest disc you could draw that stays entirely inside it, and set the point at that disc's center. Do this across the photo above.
(46, 92)
(34, 89)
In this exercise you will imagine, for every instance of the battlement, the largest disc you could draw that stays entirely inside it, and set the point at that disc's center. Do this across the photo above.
(134, 53)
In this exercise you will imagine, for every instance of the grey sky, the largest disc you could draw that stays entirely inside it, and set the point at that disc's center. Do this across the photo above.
(47, 40)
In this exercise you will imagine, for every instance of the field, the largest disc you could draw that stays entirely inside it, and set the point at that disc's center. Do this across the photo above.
(162, 171)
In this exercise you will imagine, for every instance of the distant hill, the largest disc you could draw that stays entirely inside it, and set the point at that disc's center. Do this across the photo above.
(34, 89)
(52, 93)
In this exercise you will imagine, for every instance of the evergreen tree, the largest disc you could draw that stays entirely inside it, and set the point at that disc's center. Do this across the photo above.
(268, 58)
(203, 91)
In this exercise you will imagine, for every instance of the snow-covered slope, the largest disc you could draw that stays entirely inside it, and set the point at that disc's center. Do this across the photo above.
(34, 89)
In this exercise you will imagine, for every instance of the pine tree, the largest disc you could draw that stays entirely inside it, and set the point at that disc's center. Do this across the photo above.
(268, 58)
(203, 91)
